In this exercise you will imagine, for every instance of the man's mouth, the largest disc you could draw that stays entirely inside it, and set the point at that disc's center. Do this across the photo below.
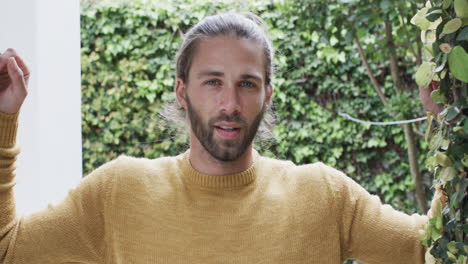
(228, 132)
(227, 128)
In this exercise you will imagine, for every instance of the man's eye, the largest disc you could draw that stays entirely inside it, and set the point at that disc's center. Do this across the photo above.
(247, 84)
(213, 82)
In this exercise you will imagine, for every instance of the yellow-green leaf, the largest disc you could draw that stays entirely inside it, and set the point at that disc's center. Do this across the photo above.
(461, 8)
(420, 19)
(451, 246)
(451, 256)
(424, 74)
(452, 26)
(462, 259)
(430, 37)
(435, 24)
(445, 144)
(429, 258)
(427, 49)
(448, 174)
(439, 222)
(443, 160)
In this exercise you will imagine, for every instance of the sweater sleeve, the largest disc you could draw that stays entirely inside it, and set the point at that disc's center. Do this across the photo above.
(71, 231)
(370, 231)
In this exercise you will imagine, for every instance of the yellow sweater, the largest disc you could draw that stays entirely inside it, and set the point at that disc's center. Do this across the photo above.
(135, 210)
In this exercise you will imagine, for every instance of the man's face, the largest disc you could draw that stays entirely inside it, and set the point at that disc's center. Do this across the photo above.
(225, 95)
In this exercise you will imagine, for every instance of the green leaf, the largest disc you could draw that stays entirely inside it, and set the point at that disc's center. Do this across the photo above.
(435, 234)
(437, 97)
(461, 193)
(452, 26)
(452, 113)
(461, 8)
(447, 4)
(385, 4)
(433, 15)
(465, 160)
(458, 63)
(442, 64)
(424, 74)
(453, 200)
(463, 35)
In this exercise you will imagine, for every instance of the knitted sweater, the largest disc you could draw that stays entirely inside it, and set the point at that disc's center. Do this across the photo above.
(135, 210)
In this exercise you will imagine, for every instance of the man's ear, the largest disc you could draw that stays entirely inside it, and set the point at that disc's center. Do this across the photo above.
(269, 93)
(181, 92)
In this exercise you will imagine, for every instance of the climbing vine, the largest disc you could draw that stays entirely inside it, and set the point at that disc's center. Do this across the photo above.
(444, 32)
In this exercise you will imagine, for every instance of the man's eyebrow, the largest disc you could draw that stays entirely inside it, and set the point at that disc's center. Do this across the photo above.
(210, 73)
(221, 74)
(251, 76)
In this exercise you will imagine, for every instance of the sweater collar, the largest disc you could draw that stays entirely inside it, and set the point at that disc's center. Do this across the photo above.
(219, 181)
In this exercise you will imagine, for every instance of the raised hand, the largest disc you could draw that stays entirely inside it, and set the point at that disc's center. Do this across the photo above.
(14, 77)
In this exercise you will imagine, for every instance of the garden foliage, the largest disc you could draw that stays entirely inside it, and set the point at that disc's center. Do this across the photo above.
(128, 52)
(444, 31)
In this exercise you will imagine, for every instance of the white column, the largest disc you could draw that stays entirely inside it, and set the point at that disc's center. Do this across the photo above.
(46, 33)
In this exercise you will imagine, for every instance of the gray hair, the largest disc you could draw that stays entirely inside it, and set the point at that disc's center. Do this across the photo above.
(241, 25)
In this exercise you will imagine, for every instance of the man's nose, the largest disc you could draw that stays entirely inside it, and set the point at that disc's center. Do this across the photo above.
(230, 101)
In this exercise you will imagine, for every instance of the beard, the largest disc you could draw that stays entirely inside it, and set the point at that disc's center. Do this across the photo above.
(224, 150)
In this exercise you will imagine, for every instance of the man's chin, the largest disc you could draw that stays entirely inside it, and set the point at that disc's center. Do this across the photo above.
(227, 153)
(226, 157)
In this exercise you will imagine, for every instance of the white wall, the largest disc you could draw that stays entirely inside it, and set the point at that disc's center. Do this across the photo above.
(46, 33)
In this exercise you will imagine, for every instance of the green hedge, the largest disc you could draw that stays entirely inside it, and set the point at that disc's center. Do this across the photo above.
(128, 55)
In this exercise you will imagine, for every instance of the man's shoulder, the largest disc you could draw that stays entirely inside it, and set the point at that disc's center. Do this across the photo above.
(314, 182)
(141, 164)
(129, 170)
(316, 173)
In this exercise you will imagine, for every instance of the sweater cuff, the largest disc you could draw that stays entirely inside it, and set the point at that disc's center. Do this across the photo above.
(8, 128)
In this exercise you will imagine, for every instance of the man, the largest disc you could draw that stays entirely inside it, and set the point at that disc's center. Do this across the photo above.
(219, 202)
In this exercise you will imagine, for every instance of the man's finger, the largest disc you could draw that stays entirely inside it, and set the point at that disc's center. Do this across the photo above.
(16, 74)
(4, 57)
(23, 67)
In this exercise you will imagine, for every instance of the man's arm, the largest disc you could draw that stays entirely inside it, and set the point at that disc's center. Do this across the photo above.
(72, 231)
(370, 231)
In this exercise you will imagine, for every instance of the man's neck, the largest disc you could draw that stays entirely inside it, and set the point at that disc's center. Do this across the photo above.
(203, 162)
